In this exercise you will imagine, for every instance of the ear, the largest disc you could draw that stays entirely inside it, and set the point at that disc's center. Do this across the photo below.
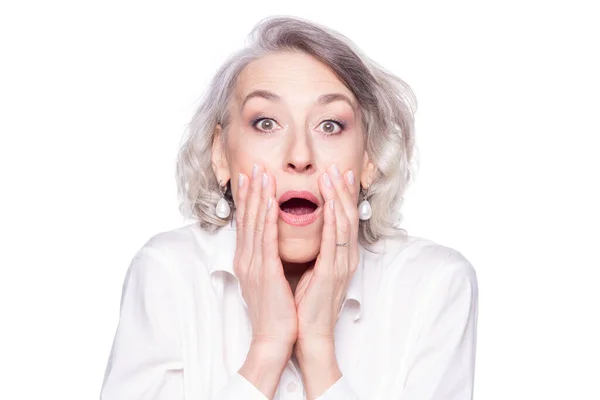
(368, 171)
(219, 158)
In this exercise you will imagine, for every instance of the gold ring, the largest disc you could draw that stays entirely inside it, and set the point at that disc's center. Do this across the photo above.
(343, 244)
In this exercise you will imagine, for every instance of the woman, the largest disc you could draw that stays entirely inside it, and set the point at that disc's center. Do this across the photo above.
(296, 281)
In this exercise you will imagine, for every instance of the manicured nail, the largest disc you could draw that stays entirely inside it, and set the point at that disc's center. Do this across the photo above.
(265, 180)
(327, 180)
(336, 171)
(331, 204)
(351, 178)
(269, 203)
(254, 171)
(240, 180)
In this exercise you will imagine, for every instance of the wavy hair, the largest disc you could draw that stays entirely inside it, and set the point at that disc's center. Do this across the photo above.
(386, 104)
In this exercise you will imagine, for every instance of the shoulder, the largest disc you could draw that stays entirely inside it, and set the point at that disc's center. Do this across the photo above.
(184, 238)
(184, 242)
(184, 251)
(416, 262)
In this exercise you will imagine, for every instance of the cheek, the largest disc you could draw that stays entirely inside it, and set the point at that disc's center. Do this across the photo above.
(247, 148)
(344, 155)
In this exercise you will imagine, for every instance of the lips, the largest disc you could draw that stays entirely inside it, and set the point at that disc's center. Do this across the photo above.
(299, 208)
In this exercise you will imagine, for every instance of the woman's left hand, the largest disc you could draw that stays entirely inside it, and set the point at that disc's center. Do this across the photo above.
(322, 289)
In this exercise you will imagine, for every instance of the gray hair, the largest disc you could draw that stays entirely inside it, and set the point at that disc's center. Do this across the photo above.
(387, 106)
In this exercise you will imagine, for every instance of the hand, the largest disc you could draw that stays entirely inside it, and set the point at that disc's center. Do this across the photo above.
(321, 289)
(265, 289)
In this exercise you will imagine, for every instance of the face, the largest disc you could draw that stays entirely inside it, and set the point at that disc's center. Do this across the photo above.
(293, 116)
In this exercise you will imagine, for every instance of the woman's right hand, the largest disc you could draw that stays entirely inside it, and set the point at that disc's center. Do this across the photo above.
(257, 265)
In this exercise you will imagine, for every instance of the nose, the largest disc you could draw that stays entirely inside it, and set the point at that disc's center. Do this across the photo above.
(299, 154)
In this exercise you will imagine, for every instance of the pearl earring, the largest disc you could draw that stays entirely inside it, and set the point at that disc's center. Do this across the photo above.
(364, 208)
(223, 210)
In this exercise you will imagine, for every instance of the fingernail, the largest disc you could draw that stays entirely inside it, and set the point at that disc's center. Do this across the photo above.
(240, 180)
(327, 180)
(265, 180)
(269, 203)
(351, 177)
(331, 204)
(254, 171)
(336, 171)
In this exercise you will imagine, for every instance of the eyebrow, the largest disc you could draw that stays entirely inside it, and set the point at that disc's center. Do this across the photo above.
(324, 99)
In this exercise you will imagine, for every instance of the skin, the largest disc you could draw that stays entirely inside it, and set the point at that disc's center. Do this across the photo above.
(297, 146)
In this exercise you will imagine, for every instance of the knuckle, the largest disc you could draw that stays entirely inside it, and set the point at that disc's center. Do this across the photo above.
(258, 229)
(242, 194)
(330, 236)
(344, 225)
(249, 219)
(343, 187)
(255, 187)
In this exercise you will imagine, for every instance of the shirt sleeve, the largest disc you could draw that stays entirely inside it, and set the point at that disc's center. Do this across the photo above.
(340, 390)
(239, 387)
(442, 365)
(145, 362)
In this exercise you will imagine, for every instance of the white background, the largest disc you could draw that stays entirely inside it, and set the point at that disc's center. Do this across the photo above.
(94, 98)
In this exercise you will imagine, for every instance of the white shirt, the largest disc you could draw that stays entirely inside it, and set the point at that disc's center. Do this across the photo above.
(406, 330)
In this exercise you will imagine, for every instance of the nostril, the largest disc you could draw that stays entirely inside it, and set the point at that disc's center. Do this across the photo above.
(300, 167)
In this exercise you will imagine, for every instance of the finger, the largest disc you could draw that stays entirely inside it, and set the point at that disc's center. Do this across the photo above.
(353, 187)
(252, 205)
(342, 229)
(346, 192)
(328, 237)
(260, 220)
(240, 207)
(271, 235)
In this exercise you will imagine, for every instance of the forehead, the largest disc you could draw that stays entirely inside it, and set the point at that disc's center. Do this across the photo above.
(293, 76)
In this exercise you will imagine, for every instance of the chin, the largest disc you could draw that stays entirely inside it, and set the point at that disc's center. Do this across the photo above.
(299, 244)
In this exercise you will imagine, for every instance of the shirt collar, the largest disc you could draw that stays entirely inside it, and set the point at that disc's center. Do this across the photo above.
(222, 252)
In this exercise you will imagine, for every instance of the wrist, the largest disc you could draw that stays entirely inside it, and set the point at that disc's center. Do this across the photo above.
(264, 365)
(319, 366)
(317, 354)
(272, 344)
(270, 352)
(315, 350)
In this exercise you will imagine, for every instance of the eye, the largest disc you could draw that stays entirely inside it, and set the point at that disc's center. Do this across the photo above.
(329, 126)
(264, 124)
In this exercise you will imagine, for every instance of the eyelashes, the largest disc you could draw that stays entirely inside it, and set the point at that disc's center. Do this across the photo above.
(257, 121)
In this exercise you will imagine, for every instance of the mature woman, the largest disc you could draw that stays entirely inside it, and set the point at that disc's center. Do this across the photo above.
(296, 281)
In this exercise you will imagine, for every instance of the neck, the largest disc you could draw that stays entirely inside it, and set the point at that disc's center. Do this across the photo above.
(294, 271)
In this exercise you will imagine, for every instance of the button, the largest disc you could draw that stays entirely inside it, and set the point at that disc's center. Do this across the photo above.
(291, 387)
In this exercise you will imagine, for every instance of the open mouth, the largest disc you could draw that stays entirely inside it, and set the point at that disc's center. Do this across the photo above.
(298, 206)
